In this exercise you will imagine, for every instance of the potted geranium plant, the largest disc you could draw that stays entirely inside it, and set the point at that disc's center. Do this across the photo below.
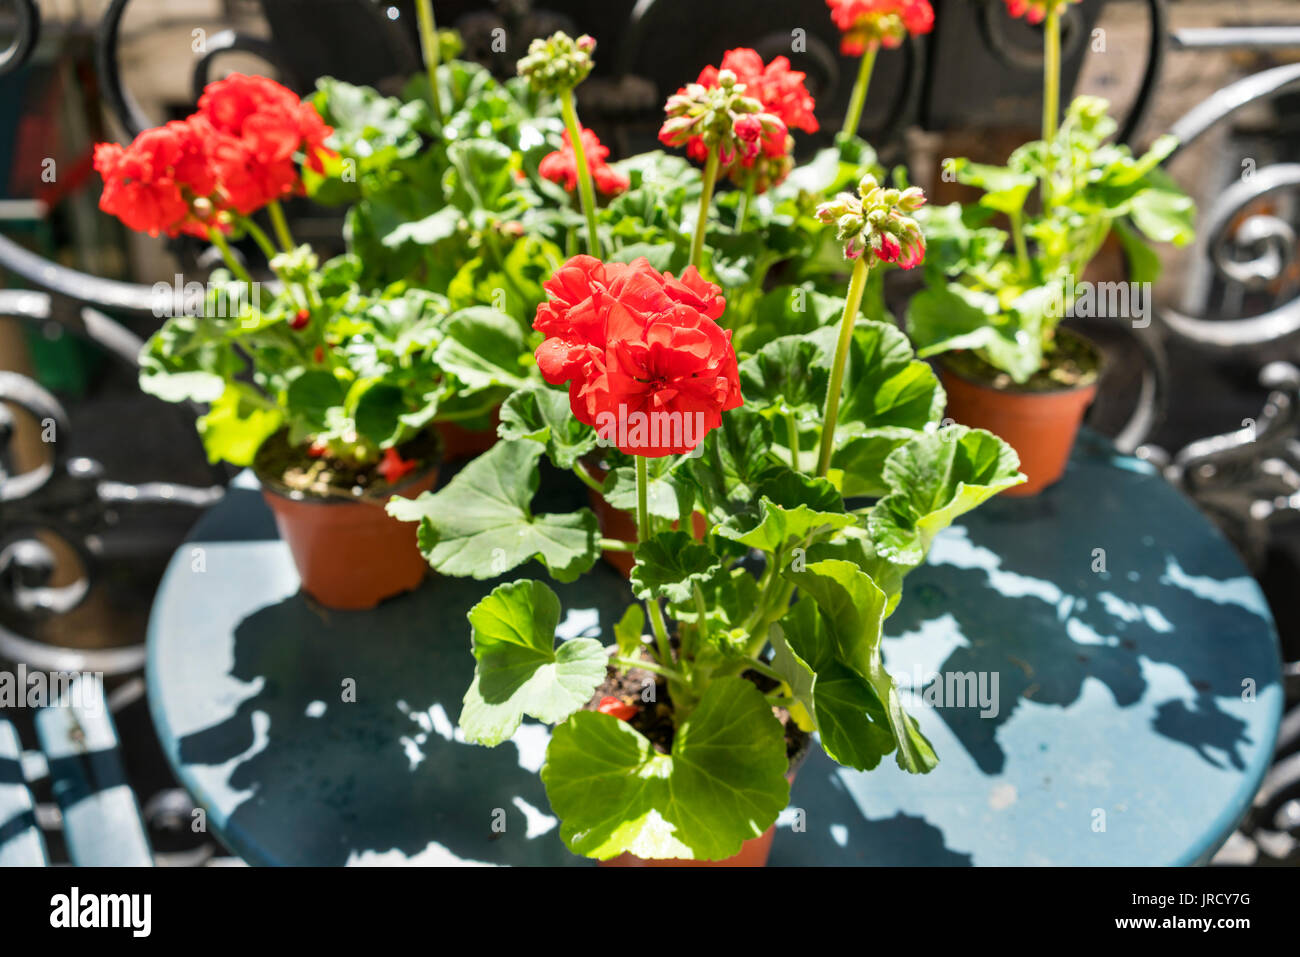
(999, 288)
(325, 388)
(681, 748)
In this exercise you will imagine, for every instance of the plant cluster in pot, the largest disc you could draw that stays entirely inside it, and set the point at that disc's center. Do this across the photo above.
(822, 474)
(325, 386)
(996, 296)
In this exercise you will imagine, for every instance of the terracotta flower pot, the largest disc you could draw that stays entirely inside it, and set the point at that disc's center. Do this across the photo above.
(753, 853)
(349, 553)
(618, 524)
(1040, 426)
(459, 442)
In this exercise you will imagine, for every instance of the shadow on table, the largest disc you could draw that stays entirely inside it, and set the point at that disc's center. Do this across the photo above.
(835, 832)
(1035, 612)
(348, 746)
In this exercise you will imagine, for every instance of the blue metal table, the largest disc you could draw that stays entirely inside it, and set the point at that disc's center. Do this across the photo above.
(1136, 664)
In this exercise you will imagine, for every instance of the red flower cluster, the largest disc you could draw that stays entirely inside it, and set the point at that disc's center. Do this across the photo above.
(865, 23)
(776, 86)
(237, 153)
(152, 184)
(782, 92)
(562, 165)
(1035, 11)
(647, 364)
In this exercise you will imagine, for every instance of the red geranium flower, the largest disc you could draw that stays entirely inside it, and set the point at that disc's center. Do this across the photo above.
(647, 365)
(864, 23)
(562, 165)
(259, 126)
(783, 94)
(151, 185)
(1035, 11)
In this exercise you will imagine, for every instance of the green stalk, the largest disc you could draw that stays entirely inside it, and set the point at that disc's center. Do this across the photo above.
(702, 612)
(429, 46)
(616, 545)
(793, 428)
(854, 115)
(259, 236)
(281, 226)
(1018, 233)
(1051, 75)
(648, 666)
(706, 199)
(233, 264)
(746, 198)
(857, 285)
(585, 189)
(643, 533)
(586, 478)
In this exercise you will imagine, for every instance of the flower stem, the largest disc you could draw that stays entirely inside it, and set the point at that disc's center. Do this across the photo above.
(616, 545)
(429, 46)
(281, 226)
(586, 478)
(701, 612)
(1018, 234)
(706, 199)
(651, 666)
(792, 426)
(746, 198)
(857, 285)
(1051, 74)
(854, 115)
(585, 189)
(258, 235)
(233, 264)
(643, 533)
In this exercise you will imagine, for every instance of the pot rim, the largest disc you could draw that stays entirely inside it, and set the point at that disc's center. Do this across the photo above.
(273, 486)
(1015, 389)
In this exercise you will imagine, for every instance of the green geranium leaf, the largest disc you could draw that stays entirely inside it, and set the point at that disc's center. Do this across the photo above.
(1005, 190)
(237, 425)
(542, 415)
(853, 726)
(312, 394)
(724, 782)
(791, 510)
(852, 611)
(734, 460)
(671, 564)
(667, 496)
(481, 524)
(482, 348)
(629, 631)
(1165, 215)
(520, 670)
(935, 479)
(378, 413)
(789, 375)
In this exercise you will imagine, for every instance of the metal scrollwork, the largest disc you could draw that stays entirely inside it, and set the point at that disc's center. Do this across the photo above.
(27, 28)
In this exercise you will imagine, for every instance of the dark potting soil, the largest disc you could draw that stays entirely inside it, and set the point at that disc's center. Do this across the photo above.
(293, 468)
(1073, 362)
(654, 718)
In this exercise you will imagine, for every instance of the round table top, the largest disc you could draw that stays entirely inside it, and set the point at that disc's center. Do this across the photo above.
(1127, 664)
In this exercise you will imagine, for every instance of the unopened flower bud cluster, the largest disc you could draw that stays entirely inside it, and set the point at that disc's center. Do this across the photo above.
(557, 63)
(877, 223)
(722, 116)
